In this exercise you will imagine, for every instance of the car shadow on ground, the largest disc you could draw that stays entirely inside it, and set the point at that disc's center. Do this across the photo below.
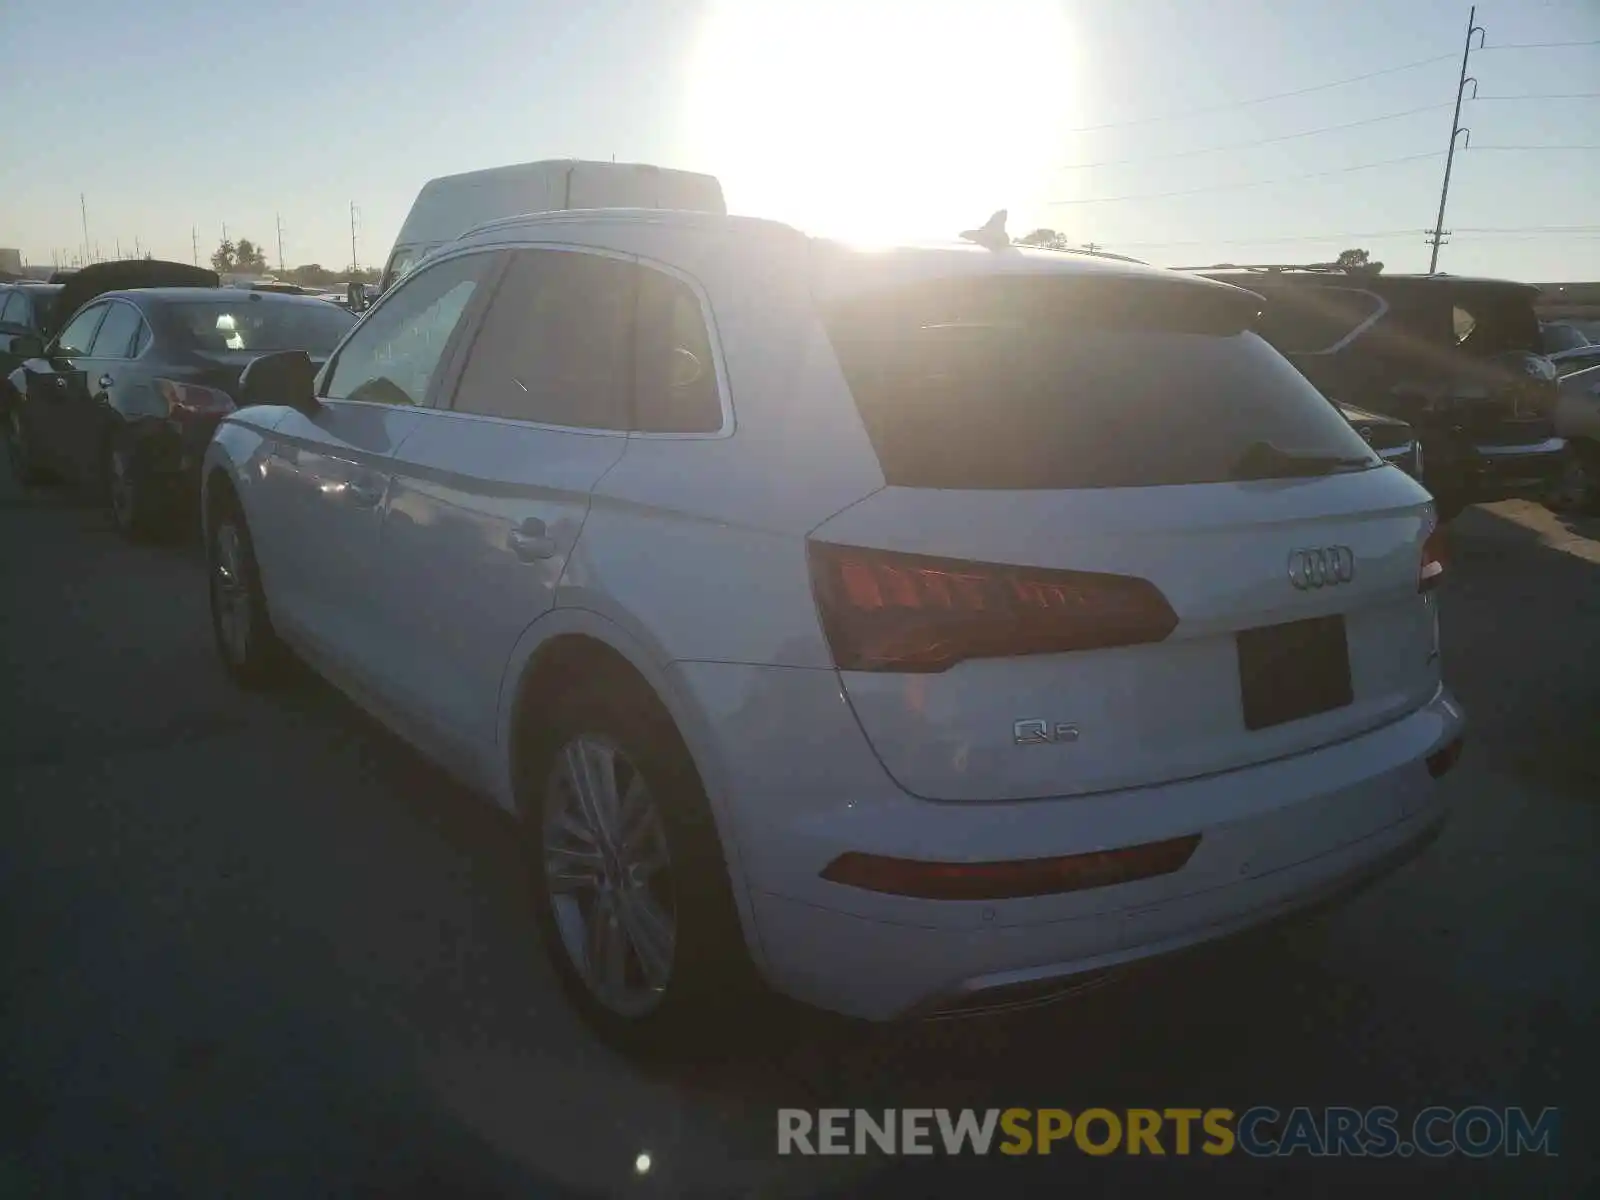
(377, 984)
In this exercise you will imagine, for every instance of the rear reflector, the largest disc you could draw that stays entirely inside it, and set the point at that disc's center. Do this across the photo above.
(1441, 761)
(1433, 556)
(187, 400)
(1010, 880)
(885, 611)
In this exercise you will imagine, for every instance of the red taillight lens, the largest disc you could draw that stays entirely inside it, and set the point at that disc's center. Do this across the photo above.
(1442, 760)
(884, 611)
(1433, 559)
(1010, 880)
(188, 400)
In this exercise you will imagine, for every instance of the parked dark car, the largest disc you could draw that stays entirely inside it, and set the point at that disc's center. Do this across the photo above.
(124, 397)
(1557, 336)
(1579, 358)
(26, 309)
(1392, 439)
(1461, 360)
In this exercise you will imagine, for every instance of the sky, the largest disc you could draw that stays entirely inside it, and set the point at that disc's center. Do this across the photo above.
(1131, 124)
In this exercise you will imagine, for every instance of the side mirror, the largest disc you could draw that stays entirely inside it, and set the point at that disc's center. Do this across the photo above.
(27, 345)
(286, 377)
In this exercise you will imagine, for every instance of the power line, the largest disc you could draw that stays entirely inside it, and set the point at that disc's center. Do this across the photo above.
(1305, 91)
(1286, 137)
(1225, 187)
(1478, 149)
(1539, 45)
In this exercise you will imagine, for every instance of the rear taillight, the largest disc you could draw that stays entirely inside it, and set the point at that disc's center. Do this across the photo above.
(1433, 558)
(885, 611)
(186, 401)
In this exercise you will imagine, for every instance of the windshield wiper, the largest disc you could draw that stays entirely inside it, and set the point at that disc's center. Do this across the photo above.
(1263, 460)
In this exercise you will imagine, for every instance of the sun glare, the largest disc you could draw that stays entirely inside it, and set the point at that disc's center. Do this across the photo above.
(880, 119)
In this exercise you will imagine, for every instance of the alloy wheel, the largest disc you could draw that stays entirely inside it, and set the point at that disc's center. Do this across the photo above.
(230, 593)
(608, 875)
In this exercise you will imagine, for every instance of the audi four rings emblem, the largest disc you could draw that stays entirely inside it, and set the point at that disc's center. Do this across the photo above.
(1321, 566)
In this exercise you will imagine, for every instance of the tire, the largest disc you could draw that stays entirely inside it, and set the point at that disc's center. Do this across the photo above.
(1578, 490)
(644, 935)
(25, 468)
(138, 512)
(246, 642)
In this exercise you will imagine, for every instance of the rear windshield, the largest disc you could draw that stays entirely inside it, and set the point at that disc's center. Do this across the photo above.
(312, 326)
(1045, 382)
(1481, 321)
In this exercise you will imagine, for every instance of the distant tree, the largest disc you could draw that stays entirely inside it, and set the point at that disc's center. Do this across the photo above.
(222, 258)
(1048, 239)
(1357, 260)
(249, 256)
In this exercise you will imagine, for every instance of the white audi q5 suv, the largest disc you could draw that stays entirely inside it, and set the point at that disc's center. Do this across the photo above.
(913, 626)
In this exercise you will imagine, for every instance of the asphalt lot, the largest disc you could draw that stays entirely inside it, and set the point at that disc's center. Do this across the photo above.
(253, 946)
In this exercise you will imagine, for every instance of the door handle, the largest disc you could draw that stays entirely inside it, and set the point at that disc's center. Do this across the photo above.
(364, 495)
(531, 541)
(106, 381)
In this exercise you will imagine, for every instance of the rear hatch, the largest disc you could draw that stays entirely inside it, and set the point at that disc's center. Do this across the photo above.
(1123, 541)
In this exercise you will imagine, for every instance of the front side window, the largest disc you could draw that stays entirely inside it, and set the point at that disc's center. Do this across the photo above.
(78, 336)
(393, 357)
(554, 343)
(15, 309)
(116, 332)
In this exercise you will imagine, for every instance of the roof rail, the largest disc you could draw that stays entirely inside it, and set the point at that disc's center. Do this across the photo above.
(1326, 268)
(1139, 262)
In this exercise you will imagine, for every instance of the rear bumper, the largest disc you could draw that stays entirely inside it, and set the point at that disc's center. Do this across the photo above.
(1485, 471)
(801, 787)
(171, 453)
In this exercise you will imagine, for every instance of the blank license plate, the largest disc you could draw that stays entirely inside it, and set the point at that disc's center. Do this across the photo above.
(1291, 671)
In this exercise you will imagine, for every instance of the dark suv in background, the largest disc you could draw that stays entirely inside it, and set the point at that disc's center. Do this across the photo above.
(1460, 360)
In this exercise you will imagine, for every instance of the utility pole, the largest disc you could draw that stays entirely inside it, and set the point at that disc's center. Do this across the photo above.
(280, 242)
(1436, 238)
(119, 249)
(353, 267)
(194, 242)
(83, 207)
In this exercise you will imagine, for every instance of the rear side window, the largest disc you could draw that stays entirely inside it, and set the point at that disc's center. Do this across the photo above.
(675, 378)
(1311, 320)
(553, 347)
(15, 309)
(1068, 382)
